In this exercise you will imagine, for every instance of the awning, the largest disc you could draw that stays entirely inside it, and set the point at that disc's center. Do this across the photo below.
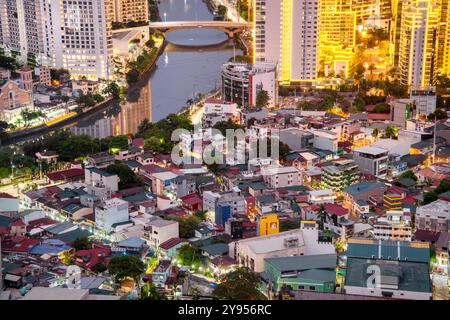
(12, 277)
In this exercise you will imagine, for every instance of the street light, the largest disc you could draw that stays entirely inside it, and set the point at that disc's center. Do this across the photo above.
(165, 17)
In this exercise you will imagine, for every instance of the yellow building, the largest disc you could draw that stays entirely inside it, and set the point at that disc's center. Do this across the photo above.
(444, 38)
(419, 42)
(268, 224)
(337, 30)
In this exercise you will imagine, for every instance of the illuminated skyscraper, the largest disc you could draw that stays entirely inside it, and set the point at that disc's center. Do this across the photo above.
(130, 10)
(444, 38)
(372, 13)
(83, 37)
(337, 35)
(286, 33)
(71, 34)
(418, 42)
(24, 29)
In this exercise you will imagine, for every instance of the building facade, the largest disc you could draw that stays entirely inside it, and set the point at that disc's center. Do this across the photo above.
(418, 42)
(286, 33)
(241, 83)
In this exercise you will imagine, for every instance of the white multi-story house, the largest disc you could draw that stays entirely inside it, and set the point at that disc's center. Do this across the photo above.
(395, 225)
(372, 160)
(158, 230)
(279, 177)
(325, 140)
(433, 216)
(98, 178)
(111, 212)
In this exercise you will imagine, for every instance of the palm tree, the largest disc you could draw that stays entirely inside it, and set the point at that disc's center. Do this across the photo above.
(375, 133)
(195, 293)
(371, 69)
(321, 216)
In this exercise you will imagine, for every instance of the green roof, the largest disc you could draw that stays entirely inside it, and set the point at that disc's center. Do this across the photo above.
(217, 249)
(302, 263)
(5, 221)
(72, 235)
(100, 172)
(408, 276)
(389, 250)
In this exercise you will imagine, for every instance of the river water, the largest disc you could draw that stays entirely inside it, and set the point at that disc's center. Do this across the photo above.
(181, 73)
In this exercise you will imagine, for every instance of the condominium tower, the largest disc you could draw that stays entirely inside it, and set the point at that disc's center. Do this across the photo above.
(130, 10)
(71, 34)
(337, 31)
(419, 42)
(286, 33)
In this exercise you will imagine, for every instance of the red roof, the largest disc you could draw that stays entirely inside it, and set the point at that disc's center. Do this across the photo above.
(54, 189)
(335, 209)
(152, 168)
(17, 223)
(41, 222)
(192, 199)
(378, 116)
(138, 142)
(95, 255)
(172, 242)
(424, 235)
(6, 195)
(65, 174)
(18, 244)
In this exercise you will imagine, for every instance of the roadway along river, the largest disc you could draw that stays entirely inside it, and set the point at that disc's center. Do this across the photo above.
(181, 73)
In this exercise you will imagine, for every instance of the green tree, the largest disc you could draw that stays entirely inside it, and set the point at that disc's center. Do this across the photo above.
(154, 144)
(391, 132)
(286, 225)
(127, 178)
(201, 215)
(375, 133)
(222, 126)
(222, 11)
(262, 99)
(99, 268)
(124, 267)
(112, 89)
(327, 102)
(382, 108)
(408, 174)
(189, 256)
(239, 284)
(149, 292)
(438, 114)
(187, 226)
(359, 104)
(82, 243)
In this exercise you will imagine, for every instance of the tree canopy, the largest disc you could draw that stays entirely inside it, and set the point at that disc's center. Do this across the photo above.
(123, 267)
(240, 284)
(262, 99)
(127, 178)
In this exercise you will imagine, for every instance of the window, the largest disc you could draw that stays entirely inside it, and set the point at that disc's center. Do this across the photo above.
(312, 288)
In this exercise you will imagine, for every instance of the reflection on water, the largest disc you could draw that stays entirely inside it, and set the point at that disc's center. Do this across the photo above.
(120, 119)
(180, 74)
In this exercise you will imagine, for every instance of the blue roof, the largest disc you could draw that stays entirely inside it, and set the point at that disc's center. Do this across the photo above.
(50, 246)
(133, 242)
(389, 250)
(72, 207)
(357, 188)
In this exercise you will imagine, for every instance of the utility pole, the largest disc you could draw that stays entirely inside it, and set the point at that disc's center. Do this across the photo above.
(434, 141)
